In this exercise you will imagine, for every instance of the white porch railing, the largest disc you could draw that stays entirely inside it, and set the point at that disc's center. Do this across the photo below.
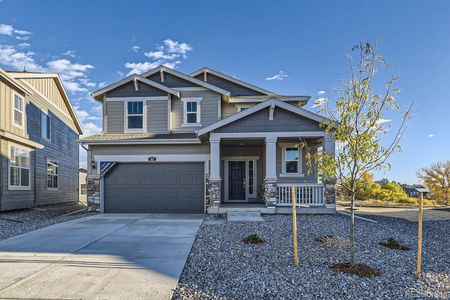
(312, 194)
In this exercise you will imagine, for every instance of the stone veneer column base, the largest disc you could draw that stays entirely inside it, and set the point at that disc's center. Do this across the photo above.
(214, 193)
(270, 192)
(93, 192)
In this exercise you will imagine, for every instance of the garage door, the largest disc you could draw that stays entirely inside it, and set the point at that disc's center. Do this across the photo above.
(155, 188)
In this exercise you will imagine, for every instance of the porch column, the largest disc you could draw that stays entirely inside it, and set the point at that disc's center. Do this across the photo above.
(328, 144)
(270, 181)
(214, 181)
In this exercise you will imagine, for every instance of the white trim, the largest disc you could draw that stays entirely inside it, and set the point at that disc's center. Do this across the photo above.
(19, 187)
(144, 118)
(187, 78)
(297, 110)
(169, 113)
(155, 98)
(159, 157)
(242, 99)
(266, 134)
(14, 82)
(198, 100)
(299, 162)
(190, 89)
(232, 79)
(144, 142)
(22, 99)
(20, 140)
(51, 161)
(49, 125)
(134, 77)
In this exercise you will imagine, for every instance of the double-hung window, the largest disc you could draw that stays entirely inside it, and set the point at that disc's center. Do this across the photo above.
(19, 169)
(52, 174)
(192, 112)
(134, 119)
(18, 110)
(45, 125)
(292, 161)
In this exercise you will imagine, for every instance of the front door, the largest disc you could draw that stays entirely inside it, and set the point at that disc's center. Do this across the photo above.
(236, 180)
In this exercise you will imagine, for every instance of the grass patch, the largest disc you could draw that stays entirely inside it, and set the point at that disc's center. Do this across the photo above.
(253, 239)
(394, 244)
(361, 270)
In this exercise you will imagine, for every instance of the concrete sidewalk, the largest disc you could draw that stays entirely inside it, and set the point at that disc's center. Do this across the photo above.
(108, 256)
(410, 214)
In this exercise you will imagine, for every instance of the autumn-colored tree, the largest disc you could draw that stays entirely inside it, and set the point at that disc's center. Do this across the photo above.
(357, 121)
(437, 178)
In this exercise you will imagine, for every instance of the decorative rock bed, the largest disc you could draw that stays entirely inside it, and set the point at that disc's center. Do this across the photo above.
(222, 266)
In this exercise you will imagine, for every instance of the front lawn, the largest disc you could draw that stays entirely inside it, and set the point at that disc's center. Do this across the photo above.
(221, 265)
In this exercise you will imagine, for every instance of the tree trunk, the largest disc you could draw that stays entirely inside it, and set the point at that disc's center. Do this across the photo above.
(352, 230)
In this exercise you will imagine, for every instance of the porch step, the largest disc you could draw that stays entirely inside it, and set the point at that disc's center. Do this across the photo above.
(244, 216)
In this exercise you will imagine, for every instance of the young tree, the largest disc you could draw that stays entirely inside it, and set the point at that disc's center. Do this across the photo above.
(437, 178)
(357, 123)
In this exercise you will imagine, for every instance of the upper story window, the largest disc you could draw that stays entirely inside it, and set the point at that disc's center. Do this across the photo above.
(292, 161)
(45, 125)
(18, 110)
(134, 119)
(52, 174)
(191, 111)
(242, 107)
(19, 169)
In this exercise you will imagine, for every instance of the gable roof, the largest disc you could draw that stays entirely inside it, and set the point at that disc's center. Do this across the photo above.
(14, 83)
(60, 85)
(268, 103)
(187, 78)
(133, 77)
(232, 79)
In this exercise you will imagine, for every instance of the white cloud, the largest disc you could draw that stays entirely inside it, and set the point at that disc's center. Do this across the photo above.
(9, 56)
(167, 54)
(70, 53)
(102, 84)
(135, 48)
(320, 101)
(9, 30)
(280, 76)
(321, 93)
(24, 45)
(90, 128)
(383, 121)
(72, 74)
(431, 135)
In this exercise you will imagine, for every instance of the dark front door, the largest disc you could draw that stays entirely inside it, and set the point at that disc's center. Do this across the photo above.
(236, 180)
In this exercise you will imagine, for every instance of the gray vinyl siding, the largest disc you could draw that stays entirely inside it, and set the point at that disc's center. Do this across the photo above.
(128, 90)
(234, 88)
(115, 117)
(62, 147)
(171, 80)
(157, 116)
(208, 111)
(283, 120)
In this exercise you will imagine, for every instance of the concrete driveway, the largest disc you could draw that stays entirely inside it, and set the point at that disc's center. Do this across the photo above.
(108, 256)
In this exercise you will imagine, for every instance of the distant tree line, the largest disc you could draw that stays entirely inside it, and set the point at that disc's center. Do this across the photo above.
(437, 178)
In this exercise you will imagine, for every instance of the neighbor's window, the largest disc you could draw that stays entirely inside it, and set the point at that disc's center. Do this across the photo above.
(135, 115)
(45, 125)
(291, 160)
(83, 189)
(18, 110)
(52, 174)
(191, 111)
(19, 168)
(242, 107)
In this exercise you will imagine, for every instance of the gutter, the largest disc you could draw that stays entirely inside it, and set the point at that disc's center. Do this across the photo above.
(142, 142)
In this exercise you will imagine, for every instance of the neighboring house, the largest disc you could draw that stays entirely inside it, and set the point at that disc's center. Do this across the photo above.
(38, 141)
(414, 190)
(82, 180)
(178, 143)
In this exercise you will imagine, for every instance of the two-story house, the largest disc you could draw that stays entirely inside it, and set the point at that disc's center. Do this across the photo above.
(202, 142)
(38, 141)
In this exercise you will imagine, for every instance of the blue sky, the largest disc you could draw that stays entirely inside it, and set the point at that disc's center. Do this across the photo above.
(91, 43)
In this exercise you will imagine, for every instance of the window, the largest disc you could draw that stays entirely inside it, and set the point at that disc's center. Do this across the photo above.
(18, 110)
(292, 161)
(45, 125)
(135, 116)
(52, 174)
(83, 189)
(242, 107)
(19, 169)
(251, 177)
(191, 111)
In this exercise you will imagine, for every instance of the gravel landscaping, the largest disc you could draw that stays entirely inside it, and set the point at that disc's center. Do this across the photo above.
(222, 266)
(16, 222)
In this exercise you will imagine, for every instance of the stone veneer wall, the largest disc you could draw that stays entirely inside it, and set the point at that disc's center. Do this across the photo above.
(93, 192)
(330, 192)
(270, 192)
(214, 195)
